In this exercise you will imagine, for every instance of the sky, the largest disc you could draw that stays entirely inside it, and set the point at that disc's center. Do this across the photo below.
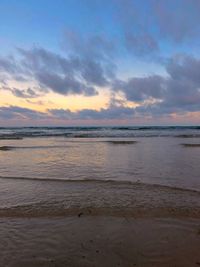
(99, 62)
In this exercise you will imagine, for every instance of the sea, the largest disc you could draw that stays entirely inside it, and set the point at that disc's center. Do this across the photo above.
(153, 155)
(50, 171)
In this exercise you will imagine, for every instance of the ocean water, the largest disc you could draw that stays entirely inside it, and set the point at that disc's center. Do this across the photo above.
(153, 155)
(99, 196)
(132, 171)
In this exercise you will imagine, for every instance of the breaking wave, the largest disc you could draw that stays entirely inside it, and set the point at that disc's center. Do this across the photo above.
(94, 132)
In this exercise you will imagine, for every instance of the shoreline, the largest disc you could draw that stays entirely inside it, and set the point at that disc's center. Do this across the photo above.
(35, 198)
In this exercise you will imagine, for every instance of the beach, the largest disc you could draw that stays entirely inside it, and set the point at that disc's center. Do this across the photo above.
(100, 133)
(100, 201)
(99, 241)
(70, 223)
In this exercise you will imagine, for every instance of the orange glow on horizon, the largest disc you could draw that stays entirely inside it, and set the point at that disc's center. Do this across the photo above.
(56, 101)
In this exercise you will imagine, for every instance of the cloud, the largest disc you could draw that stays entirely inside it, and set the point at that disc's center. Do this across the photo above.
(184, 67)
(95, 54)
(179, 92)
(140, 89)
(64, 84)
(24, 93)
(87, 63)
(59, 74)
(112, 112)
(141, 44)
(177, 20)
(135, 23)
(145, 26)
(15, 112)
(8, 65)
(155, 95)
(39, 59)
(61, 113)
(77, 73)
(93, 73)
(96, 47)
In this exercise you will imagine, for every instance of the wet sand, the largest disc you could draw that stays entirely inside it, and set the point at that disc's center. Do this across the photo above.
(191, 145)
(99, 241)
(97, 223)
(21, 197)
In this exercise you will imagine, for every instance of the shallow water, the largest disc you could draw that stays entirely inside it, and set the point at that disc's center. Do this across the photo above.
(39, 198)
(157, 160)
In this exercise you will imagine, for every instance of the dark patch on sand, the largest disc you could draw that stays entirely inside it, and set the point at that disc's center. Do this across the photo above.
(81, 136)
(191, 145)
(11, 137)
(122, 142)
(188, 136)
(6, 148)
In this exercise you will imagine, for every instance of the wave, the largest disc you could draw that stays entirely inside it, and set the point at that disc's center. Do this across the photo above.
(11, 148)
(101, 181)
(95, 132)
(101, 127)
(97, 198)
(10, 137)
(136, 210)
(113, 142)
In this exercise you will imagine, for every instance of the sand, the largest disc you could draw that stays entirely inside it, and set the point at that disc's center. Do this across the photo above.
(99, 241)
(97, 223)
(191, 145)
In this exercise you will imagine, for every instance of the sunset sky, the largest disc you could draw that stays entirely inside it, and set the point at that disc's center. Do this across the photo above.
(99, 62)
